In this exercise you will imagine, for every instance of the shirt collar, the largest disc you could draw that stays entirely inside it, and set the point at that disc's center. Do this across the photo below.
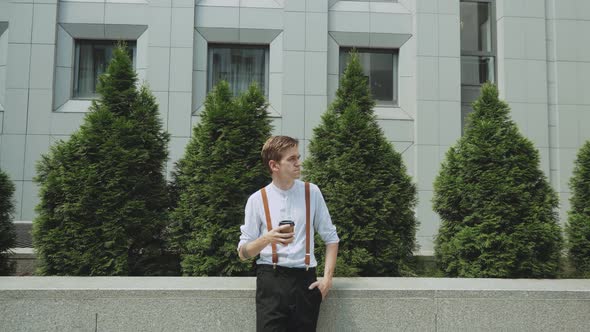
(284, 192)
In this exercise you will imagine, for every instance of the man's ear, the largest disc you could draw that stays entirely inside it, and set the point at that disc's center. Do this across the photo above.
(274, 166)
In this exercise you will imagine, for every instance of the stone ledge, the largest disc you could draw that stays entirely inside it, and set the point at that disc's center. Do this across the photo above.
(355, 304)
(249, 283)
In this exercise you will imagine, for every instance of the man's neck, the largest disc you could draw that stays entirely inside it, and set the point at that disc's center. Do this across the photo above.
(283, 184)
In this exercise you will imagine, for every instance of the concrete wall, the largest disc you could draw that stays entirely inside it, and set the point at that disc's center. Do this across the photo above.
(568, 83)
(25, 261)
(438, 102)
(354, 304)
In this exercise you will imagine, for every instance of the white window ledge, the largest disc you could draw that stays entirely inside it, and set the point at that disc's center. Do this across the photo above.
(75, 106)
(391, 113)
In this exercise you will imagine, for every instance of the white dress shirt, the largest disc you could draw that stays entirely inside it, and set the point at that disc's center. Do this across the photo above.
(288, 205)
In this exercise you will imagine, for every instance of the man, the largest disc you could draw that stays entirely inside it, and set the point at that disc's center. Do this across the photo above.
(288, 295)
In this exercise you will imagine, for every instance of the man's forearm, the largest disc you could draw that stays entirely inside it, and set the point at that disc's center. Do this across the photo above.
(331, 254)
(251, 249)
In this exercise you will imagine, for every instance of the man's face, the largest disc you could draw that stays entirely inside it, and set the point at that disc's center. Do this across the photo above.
(289, 167)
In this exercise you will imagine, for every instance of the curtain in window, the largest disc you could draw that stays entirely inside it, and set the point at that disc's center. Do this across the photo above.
(86, 79)
(92, 59)
(238, 66)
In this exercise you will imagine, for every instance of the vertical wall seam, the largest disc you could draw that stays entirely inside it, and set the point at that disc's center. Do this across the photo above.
(169, 68)
(22, 193)
(551, 56)
(104, 17)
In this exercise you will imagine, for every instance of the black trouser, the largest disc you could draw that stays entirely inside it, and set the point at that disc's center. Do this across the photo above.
(284, 301)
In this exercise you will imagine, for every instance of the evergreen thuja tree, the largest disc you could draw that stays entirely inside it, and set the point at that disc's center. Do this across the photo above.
(578, 227)
(220, 169)
(7, 231)
(103, 194)
(364, 182)
(497, 208)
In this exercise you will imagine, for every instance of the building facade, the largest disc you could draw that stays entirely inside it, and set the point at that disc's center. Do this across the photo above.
(424, 59)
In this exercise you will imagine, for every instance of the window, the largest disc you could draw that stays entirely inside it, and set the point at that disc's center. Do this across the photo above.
(239, 65)
(478, 50)
(380, 68)
(91, 60)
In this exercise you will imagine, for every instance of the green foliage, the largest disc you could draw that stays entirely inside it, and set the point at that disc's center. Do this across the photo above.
(365, 183)
(220, 169)
(498, 211)
(578, 227)
(103, 194)
(7, 232)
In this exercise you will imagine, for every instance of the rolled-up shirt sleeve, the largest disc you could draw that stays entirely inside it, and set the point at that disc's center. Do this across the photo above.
(323, 225)
(250, 230)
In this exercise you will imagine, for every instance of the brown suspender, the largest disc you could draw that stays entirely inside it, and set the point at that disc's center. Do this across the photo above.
(275, 257)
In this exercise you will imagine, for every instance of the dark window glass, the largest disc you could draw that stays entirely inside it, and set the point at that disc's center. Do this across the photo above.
(476, 70)
(476, 31)
(91, 60)
(477, 50)
(380, 69)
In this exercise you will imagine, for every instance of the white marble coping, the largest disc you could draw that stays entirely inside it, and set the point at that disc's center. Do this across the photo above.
(249, 283)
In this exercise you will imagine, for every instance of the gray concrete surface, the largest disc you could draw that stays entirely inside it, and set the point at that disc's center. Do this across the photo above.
(25, 260)
(354, 304)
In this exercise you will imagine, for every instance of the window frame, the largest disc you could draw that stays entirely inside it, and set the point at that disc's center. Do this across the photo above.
(265, 47)
(395, 71)
(76, 68)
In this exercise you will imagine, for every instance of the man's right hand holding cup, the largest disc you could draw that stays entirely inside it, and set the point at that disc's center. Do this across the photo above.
(284, 234)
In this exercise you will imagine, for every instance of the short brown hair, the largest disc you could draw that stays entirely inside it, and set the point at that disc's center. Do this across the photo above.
(275, 146)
